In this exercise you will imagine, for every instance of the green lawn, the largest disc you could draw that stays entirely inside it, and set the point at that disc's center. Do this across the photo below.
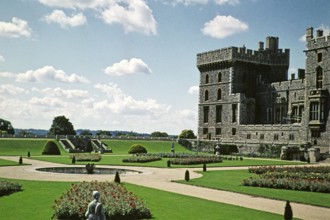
(37, 197)
(231, 181)
(21, 146)
(9, 163)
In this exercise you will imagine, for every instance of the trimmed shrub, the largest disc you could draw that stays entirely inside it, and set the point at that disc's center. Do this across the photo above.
(117, 177)
(137, 149)
(28, 154)
(51, 148)
(204, 167)
(168, 163)
(7, 188)
(73, 160)
(185, 143)
(227, 149)
(20, 160)
(288, 211)
(187, 175)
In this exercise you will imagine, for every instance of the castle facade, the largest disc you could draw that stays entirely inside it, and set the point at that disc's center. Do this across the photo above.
(245, 96)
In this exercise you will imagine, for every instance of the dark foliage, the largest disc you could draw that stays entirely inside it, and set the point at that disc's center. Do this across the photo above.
(288, 211)
(137, 149)
(61, 126)
(51, 148)
(187, 175)
(7, 188)
(117, 177)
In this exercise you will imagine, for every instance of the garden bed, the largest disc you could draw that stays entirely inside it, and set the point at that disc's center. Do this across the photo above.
(314, 179)
(7, 188)
(117, 202)
(86, 157)
(141, 159)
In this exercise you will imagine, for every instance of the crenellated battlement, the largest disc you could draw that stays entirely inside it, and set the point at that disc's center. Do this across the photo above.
(318, 41)
(269, 56)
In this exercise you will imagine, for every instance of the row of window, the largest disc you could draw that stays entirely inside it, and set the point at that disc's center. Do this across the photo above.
(218, 113)
(207, 78)
(206, 95)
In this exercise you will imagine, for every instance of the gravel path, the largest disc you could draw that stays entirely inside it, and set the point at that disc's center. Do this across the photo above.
(160, 178)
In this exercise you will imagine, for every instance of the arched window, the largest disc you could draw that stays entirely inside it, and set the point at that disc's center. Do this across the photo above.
(219, 94)
(319, 77)
(219, 77)
(206, 95)
(207, 79)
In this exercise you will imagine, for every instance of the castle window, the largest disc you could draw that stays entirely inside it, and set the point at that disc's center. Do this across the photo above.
(219, 94)
(319, 78)
(206, 110)
(275, 137)
(234, 112)
(218, 117)
(295, 114)
(233, 131)
(219, 77)
(207, 79)
(218, 131)
(248, 136)
(316, 133)
(262, 136)
(301, 110)
(206, 95)
(291, 137)
(314, 111)
(205, 130)
(319, 57)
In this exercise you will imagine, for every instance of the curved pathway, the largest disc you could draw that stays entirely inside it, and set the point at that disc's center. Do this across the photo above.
(160, 178)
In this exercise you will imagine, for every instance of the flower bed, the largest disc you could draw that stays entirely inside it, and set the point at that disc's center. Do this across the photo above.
(86, 157)
(141, 159)
(7, 188)
(117, 202)
(315, 179)
(196, 160)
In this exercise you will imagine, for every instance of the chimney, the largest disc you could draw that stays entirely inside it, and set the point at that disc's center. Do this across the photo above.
(309, 34)
(261, 45)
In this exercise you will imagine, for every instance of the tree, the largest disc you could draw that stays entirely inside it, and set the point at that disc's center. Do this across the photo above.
(86, 133)
(61, 126)
(187, 134)
(105, 133)
(6, 127)
(158, 134)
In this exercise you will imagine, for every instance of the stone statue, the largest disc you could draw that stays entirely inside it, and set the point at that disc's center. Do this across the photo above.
(95, 209)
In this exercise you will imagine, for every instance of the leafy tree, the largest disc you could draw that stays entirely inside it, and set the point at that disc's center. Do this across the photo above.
(61, 126)
(158, 134)
(105, 133)
(6, 127)
(86, 133)
(187, 134)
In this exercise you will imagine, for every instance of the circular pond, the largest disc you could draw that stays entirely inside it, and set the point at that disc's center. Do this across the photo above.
(82, 170)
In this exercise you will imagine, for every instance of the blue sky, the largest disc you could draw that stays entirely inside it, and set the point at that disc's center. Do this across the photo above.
(130, 64)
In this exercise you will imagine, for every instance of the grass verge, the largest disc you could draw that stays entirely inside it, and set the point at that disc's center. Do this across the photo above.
(232, 181)
(37, 197)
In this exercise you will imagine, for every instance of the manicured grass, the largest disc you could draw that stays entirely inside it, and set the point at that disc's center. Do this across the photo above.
(21, 146)
(232, 181)
(9, 163)
(153, 146)
(116, 160)
(37, 198)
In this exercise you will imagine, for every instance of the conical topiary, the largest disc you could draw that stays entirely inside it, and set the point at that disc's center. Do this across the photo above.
(51, 148)
(187, 175)
(288, 211)
(117, 177)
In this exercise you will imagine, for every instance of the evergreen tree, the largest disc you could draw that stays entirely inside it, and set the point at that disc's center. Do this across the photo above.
(288, 211)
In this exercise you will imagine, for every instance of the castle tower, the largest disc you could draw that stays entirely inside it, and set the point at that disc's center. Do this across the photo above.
(317, 85)
(229, 80)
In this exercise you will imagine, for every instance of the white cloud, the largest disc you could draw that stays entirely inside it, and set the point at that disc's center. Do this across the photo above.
(185, 2)
(135, 17)
(2, 58)
(63, 93)
(58, 16)
(7, 75)
(9, 89)
(15, 29)
(128, 67)
(118, 102)
(50, 73)
(193, 90)
(227, 2)
(224, 26)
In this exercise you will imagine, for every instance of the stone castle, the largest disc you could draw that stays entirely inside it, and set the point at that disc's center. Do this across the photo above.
(246, 97)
